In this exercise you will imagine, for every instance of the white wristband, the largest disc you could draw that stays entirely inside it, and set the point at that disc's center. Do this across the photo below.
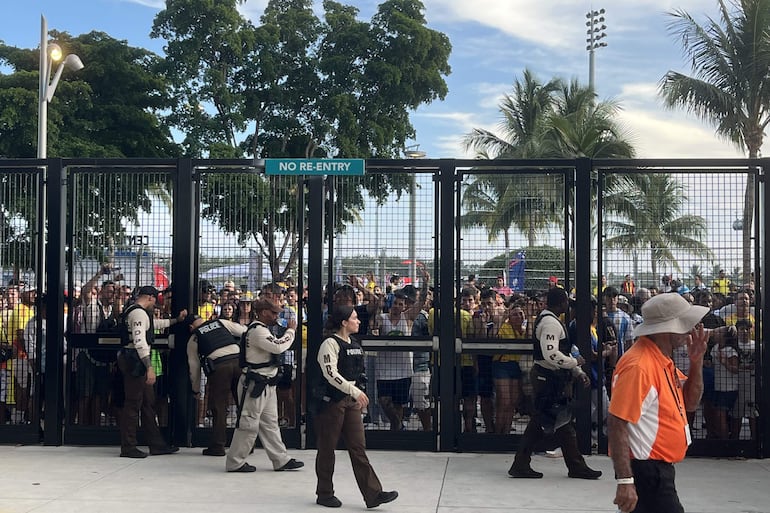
(625, 480)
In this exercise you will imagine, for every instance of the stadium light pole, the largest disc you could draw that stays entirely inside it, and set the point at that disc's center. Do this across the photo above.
(49, 53)
(595, 33)
(413, 152)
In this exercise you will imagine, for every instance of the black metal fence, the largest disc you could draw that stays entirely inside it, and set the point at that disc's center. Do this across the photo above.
(466, 238)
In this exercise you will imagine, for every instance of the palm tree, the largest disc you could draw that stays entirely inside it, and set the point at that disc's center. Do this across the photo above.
(730, 88)
(648, 208)
(539, 120)
(498, 202)
(524, 115)
(581, 127)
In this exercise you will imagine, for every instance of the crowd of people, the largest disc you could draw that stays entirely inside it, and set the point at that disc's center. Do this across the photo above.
(256, 386)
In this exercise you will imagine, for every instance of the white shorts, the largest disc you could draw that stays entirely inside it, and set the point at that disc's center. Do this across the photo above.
(420, 390)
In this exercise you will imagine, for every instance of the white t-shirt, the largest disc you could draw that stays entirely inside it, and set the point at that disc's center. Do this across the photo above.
(724, 380)
(394, 364)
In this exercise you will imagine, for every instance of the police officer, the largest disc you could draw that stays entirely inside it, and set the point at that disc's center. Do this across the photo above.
(137, 336)
(214, 347)
(258, 405)
(552, 378)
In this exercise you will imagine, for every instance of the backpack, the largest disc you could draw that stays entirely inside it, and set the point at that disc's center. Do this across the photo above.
(242, 354)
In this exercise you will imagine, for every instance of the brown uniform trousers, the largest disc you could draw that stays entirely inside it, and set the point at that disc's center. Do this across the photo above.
(343, 418)
(139, 399)
(220, 387)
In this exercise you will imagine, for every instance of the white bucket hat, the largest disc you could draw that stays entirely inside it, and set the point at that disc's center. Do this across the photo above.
(669, 313)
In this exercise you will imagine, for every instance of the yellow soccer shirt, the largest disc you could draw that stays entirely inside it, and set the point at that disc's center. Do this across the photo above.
(508, 332)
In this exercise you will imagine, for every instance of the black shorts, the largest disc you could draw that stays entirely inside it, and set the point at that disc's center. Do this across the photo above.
(470, 381)
(654, 481)
(396, 389)
(486, 383)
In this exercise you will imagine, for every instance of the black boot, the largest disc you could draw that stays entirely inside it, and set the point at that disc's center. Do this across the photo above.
(574, 460)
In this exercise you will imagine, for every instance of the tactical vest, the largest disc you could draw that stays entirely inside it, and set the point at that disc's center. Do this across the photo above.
(350, 364)
(125, 334)
(275, 359)
(213, 335)
(564, 344)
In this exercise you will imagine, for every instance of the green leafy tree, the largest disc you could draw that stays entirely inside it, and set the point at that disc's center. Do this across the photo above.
(298, 86)
(647, 217)
(107, 109)
(730, 86)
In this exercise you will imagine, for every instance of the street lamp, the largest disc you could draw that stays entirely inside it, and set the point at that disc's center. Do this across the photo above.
(49, 53)
(595, 32)
(413, 152)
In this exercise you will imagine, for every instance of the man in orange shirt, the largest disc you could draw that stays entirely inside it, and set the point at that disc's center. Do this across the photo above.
(648, 430)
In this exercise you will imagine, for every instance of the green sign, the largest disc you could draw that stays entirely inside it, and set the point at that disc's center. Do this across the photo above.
(350, 167)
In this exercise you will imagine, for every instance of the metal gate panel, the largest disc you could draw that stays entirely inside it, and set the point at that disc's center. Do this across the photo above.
(119, 239)
(21, 252)
(513, 240)
(384, 244)
(250, 242)
(680, 229)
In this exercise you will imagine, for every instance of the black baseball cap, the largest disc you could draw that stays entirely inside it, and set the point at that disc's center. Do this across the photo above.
(147, 290)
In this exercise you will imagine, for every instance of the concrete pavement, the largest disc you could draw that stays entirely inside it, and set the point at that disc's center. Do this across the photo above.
(94, 479)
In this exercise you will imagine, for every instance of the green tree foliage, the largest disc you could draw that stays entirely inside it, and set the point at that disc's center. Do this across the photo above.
(296, 85)
(730, 86)
(648, 208)
(107, 109)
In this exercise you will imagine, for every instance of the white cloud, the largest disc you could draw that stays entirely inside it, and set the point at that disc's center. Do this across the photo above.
(155, 4)
(673, 135)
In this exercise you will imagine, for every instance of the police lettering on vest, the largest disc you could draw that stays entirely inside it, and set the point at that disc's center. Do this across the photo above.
(213, 335)
(350, 364)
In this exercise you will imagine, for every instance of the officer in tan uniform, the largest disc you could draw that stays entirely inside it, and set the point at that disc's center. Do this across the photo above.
(258, 404)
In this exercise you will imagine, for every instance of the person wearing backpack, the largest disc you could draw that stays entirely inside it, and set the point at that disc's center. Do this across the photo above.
(137, 336)
(257, 398)
(214, 348)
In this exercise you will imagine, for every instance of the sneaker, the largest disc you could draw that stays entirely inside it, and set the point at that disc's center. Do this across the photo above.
(585, 473)
(133, 453)
(556, 453)
(524, 473)
(168, 449)
(213, 452)
(245, 468)
(329, 502)
(292, 464)
(382, 498)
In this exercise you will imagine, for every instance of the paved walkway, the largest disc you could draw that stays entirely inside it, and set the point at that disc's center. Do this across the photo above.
(93, 479)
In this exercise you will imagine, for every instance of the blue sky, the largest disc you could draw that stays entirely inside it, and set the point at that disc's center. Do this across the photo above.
(493, 42)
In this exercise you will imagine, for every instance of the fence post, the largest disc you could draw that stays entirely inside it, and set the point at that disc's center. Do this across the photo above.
(315, 294)
(583, 292)
(184, 244)
(762, 284)
(448, 420)
(54, 286)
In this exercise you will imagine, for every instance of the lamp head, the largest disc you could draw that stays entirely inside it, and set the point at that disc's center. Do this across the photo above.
(414, 152)
(73, 62)
(54, 52)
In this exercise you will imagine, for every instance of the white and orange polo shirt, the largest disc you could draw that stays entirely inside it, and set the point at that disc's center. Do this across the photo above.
(647, 393)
